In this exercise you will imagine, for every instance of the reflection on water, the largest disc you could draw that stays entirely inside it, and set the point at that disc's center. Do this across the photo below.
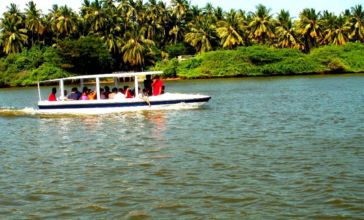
(291, 148)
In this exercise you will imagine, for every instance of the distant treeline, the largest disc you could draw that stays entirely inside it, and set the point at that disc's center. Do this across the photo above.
(132, 35)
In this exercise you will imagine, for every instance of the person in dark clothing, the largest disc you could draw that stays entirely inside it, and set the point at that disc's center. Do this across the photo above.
(107, 92)
(75, 94)
(148, 85)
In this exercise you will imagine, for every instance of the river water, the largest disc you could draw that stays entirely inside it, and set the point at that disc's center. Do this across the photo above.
(263, 148)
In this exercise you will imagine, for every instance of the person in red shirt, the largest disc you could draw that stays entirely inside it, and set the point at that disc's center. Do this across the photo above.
(127, 92)
(157, 86)
(52, 96)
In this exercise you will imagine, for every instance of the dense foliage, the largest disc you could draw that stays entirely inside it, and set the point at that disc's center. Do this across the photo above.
(87, 55)
(29, 66)
(267, 61)
(137, 34)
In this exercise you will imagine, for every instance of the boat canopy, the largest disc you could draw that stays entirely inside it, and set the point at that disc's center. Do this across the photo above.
(106, 75)
(98, 77)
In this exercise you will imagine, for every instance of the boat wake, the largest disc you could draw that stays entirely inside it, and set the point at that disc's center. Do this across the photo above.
(16, 112)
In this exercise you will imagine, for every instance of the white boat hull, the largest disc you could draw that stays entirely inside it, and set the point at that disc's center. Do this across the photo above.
(165, 101)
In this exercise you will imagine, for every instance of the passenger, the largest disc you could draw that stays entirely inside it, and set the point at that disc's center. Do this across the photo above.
(145, 92)
(75, 94)
(157, 86)
(52, 96)
(102, 93)
(148, 85)
(121, 90)
(91, 95)
(64, 95)
(127, 91)
(107, 92)
(114, 91)
(84, 95)
(119, 95)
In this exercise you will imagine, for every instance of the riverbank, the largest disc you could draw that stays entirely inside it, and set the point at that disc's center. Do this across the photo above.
(26, 68)
(267, 61)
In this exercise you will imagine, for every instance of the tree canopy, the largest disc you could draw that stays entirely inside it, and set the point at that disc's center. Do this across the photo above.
(138, 33)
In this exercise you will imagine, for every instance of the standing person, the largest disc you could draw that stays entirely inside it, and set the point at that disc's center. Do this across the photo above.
(52, 96)
(148, 85)
(157, 86)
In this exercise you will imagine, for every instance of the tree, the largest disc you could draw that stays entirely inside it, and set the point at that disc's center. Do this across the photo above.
(309, 28)
(136, 49)
(64, 22)
(13, 32)
(87, 55)
(95, 16)
(201, 35)
(335, 29)
(230, 30)
(261, 26)
(285, 32)
(357, 23)
(33, 21)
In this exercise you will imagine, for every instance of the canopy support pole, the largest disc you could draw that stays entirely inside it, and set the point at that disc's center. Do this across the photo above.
(136, 88)
(98, 88)
(40, 97)
(61, 86)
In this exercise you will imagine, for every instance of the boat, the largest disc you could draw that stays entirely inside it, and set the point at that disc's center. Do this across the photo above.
(97, 106)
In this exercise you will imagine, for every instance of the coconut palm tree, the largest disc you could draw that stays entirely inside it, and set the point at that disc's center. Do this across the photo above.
(309, 28)
(13, 35)
(128, 13)
(33, 21)
(14, 13)
(219, 13)
(335, 29)
(230, 30)
(136, 49)
(261, 26)
(96, 16)
(64, 22)
(201, 35)
(285, 32)
(357, 23)
(179, 8)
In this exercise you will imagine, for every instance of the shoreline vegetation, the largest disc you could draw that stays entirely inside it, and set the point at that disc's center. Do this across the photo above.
(132, 35)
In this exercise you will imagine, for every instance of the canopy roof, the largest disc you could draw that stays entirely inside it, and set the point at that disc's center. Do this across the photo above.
(106, 75)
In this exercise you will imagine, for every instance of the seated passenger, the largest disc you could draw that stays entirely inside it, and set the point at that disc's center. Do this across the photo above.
(127, 92)
(92, 95)
(107, 92)
(119, 94)
(102, 93)
(84, 95)
(75, 94)
(113, 93)
(52, 96)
